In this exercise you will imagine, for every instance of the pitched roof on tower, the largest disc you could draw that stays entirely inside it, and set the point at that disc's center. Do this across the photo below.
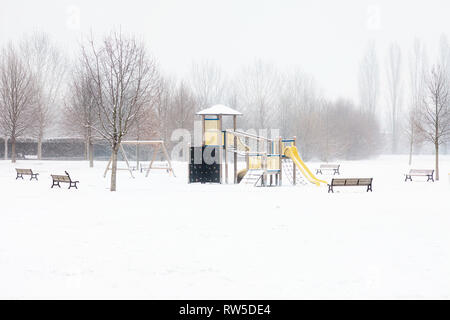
(219, 109)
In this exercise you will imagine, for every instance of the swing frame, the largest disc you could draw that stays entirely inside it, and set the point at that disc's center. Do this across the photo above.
(157, 145)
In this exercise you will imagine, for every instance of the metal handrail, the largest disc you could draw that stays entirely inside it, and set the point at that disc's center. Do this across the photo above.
(248, 135)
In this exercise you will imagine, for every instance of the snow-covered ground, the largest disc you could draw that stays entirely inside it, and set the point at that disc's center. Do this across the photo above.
(159, 237)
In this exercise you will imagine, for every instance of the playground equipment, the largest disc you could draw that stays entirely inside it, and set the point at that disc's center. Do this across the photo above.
(209, 162)
(291, 152)
(158, 145)
(264, 164)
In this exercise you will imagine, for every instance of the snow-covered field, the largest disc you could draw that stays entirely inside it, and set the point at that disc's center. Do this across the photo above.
(159, 237)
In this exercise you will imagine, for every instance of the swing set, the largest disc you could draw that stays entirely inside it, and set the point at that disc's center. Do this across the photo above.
(158, 145)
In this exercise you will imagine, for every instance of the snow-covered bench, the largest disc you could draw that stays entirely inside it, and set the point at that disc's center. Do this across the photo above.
(352, 182)
(57, 179)
(27, 172)
(333, 167)
(420, 173)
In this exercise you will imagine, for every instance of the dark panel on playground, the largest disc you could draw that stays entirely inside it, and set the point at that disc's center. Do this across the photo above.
(199, 170)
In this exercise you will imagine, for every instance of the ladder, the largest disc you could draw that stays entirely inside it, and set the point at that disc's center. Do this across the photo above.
(288, 171)
(252, 177)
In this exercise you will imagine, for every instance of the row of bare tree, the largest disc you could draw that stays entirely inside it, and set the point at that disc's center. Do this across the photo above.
(31, 75)
(420, 115)
(114, 90)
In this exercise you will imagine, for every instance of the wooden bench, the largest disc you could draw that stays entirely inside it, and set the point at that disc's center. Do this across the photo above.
(352, 182)
(28, 172)
(420, 173)
(57, 179)
(333, 167)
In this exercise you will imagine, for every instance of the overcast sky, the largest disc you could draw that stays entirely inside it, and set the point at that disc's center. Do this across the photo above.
(324, 38)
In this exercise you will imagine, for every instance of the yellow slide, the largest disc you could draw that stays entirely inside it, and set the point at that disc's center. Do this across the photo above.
(292, 153)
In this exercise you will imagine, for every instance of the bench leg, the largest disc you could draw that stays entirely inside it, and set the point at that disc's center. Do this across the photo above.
(369, 187)
(408, 178)
(73, 184)
(330, 188)
(55, 184)
(430, 178)
(19, 175)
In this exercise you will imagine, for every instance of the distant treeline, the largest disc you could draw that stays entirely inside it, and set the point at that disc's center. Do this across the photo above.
(72, 149)
(69, 149)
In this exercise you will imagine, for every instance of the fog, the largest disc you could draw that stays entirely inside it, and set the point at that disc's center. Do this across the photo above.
(351, 79)
(324, 38)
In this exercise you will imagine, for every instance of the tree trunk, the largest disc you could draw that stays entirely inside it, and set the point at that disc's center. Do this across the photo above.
(137, 156)
(86, 149)
(39, 147)
(13, 150)
(6, 148)
(411, 142)
(91, 154)
(437, 161)
(114, 167)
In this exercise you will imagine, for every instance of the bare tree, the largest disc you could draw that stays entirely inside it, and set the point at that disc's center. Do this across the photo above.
(124, 80)
(417, 69)
(48, 67)
(80, 115)
(434, 121)
(395, 88)
(163, 108)
(369, 80)
(207, 83)
(299, 103)
(346, 132)
(183, 107)
(17, 95)
(258, 92)
(291, 85)
(411, 130)
(444, 54)
(444, 61)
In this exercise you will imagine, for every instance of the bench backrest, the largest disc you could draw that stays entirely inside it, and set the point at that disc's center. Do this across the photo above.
(421, 171)
(329, 166)
(68, 175)
(338, 182)
(60, 178)
(351, 182)
(24, 171)
(365, 181)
